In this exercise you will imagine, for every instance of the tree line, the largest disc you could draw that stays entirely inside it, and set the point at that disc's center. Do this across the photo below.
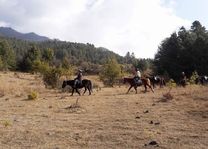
(184, 51)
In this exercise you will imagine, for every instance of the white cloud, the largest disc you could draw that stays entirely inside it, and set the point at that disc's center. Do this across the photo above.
(3, 24)
(135, 25)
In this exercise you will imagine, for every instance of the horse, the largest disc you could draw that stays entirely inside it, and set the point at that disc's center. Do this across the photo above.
(182, 82)
(202, 80)
(144, 81)
(87, 84)
(157, 80)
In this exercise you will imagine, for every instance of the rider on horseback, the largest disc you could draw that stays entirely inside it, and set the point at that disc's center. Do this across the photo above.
(78, 79)
(183, 79)
(137, 75)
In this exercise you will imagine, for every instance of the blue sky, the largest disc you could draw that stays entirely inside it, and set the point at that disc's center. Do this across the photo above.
(136, 26)
(192, 10)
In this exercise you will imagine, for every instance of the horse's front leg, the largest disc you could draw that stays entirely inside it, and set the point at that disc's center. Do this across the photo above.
(135, 87)
(84, 91)
(78, 92)
(153, 84)
(152, 89)
(72, 92)
(129, 89)
(89, 90)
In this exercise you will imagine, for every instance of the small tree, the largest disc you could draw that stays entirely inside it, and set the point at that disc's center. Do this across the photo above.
(31, 58)
(111, 71)
(193, 77)
(48, 55)
(168, 96)
(51, 77)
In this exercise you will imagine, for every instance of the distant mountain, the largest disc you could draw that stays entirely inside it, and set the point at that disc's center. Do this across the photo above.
(11, 33)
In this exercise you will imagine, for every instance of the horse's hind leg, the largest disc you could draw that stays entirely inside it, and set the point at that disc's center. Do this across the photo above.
(84, 91)
(89, 90)
(145, 88)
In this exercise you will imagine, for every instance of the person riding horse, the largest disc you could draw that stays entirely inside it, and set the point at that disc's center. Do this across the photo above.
(137, 76)
(78, 79)
(183, 79)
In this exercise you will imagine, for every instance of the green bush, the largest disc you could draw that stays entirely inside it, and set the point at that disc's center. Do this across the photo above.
(111, 71)
(40, 67)
(52, 75)
(171, 83)
(193, 77)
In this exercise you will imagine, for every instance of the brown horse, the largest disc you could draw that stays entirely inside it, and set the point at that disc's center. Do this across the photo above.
(144, 81)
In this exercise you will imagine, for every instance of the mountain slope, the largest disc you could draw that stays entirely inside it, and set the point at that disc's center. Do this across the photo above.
(11, 33)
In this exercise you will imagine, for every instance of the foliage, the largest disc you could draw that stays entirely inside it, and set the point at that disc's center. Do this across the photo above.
(48, 55)
(31, 58)
(168, 96)
(111, 71)
(1, 64)
(32, 96)
(7, 56)
(193, 77)
(6, 123)
(40, 67)
(184, 51)
(52, 75)
(171, 83)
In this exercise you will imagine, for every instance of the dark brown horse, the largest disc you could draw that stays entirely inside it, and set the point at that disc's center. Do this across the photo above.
(157, 80)
(144, 81)
(87, 84)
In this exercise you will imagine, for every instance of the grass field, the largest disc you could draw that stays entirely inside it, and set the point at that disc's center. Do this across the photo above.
(107, 119)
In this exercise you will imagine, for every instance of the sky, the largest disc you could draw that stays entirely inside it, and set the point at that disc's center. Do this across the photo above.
(121, 26)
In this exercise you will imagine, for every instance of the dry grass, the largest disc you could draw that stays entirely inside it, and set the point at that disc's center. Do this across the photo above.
(107, 119)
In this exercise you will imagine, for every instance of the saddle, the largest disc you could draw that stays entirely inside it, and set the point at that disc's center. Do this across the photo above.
(138, 81)
(77, 83)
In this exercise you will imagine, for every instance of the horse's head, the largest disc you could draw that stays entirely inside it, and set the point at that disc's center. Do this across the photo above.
(64, 84)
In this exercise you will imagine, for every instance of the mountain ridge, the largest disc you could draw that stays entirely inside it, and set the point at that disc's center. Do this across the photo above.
(12, 33)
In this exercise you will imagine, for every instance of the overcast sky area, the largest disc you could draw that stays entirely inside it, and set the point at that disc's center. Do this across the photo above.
(136, 26)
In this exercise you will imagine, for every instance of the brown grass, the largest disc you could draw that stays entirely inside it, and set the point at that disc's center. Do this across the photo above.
(107, 119)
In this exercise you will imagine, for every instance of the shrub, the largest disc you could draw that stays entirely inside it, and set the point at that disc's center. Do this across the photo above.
(168, 96)
(6, 123)
(193, 77)
(32, 96)
(171, 83)
(111, 71)
(52, 75)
